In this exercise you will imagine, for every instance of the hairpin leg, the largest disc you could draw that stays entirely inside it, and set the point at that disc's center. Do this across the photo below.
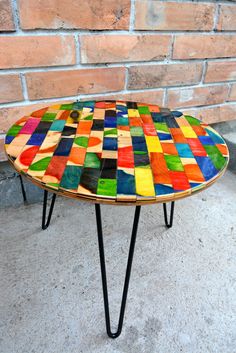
(103, 270)
(45, 223)
(169, 223)
(23, 189)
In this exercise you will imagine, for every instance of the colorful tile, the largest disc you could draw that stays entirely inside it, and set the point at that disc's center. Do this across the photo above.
(123, 151)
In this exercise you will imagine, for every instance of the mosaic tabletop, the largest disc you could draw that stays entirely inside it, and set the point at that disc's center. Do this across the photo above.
(116, 151)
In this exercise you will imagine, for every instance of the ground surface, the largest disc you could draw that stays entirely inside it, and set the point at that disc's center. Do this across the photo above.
(182, 294)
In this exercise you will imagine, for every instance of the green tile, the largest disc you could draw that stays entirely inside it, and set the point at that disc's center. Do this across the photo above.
(13, 131)
(92, 161)
(48, 117)
(136, 131)
(67, 106)
(81, 141)
(216, 157)
(71, 177)
(89, 117)
(110, 132)
(107, 187)
(161, 127)
(144, 110)
(40, 165)
(191, 120)
(174, 163)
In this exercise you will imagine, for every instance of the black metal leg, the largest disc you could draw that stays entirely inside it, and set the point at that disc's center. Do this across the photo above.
(45, 223)
(169, 223)
(103, 270)
(23, 189)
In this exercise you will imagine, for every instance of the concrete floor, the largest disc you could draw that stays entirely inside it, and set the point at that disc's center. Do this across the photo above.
(182, 294)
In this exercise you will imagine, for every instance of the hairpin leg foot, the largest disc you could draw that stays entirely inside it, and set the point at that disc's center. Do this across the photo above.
(169, 223)
(45, 223)
(103, 270)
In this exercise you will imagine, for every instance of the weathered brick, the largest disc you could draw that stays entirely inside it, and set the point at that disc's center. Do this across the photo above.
(204, 46)
(6, 17)
(214, 114)
(232, 96)
(152, 76)
(158, 15)
(10, 88)
(101, 49)
(3, 156)
(32, 51)
(74, 82)
(89, 14)
(197, 96)
(220, 71)
(227, 18)
(151, 97)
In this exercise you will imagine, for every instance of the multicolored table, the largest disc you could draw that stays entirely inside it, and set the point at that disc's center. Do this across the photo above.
(119, 153)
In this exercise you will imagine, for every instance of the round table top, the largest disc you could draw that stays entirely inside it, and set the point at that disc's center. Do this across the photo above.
(116, 152)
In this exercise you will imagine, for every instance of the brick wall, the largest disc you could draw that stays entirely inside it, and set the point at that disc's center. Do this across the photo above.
(180, 54)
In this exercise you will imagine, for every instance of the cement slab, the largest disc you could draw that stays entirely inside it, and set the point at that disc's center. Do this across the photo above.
(182, 295)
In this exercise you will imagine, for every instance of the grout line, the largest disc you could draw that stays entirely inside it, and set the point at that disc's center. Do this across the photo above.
(15, 14)
(165, 97)
(24, 87)
(126, 78)
(216, 16)
(111, 65)
(132, 16)
(205, 65)
(77, 49)
(68, 32)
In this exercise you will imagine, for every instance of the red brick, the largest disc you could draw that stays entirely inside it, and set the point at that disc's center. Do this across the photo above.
(204, 46)
(32, 51)
(74, 82)
(157, 15)
(197, 96)
(89, 14)
(152, 76)
(232, 96)
(214, 114)
(220, 71)
(227, 18)
(150, 97)
(6, 17)
(3, 156)
(101, 49)
(10, 88)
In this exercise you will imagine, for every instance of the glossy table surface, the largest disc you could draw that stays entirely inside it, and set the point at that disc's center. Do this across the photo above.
(116, 152)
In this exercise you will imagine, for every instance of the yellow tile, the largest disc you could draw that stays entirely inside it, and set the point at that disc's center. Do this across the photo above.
(153, 144)
(188, 132)
(133, 113)
(144, 181)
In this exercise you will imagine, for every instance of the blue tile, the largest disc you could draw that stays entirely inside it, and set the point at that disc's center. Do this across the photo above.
(207, 167)
(161, 189)
(125, 183)
(36, 139)
(110, 144)
(206, 140)
(216, 138)
(9, 139)
(64, 147)
(164, 136)
(184, 150)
